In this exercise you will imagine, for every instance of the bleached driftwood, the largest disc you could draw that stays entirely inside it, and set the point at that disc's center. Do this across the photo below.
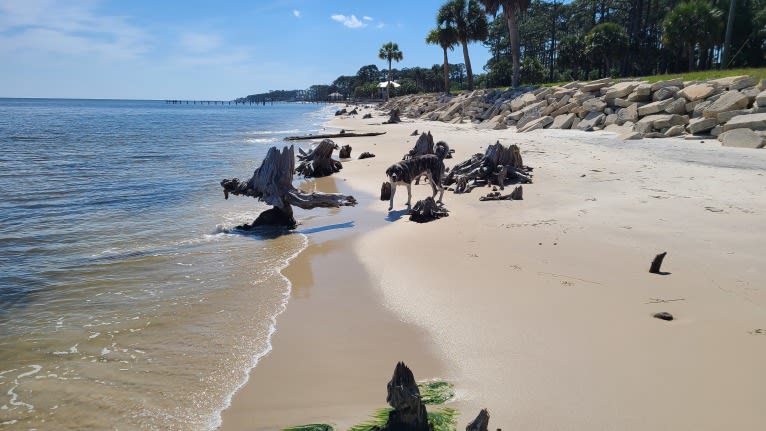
(272, 183)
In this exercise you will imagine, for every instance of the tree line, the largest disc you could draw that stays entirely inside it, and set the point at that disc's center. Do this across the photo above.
(538, 41)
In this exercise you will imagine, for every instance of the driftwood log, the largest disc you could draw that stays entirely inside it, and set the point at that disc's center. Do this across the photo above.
(515, 195)
(272, 183)
(427, 210)
(334, 135)
(345, 152)
(498, 165)
(409, 412)
(318, 161)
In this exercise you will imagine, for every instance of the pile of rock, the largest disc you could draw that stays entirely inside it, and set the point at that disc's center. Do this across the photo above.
(733, 109)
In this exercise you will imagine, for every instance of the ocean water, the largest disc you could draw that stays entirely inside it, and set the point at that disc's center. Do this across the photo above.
(124, 301)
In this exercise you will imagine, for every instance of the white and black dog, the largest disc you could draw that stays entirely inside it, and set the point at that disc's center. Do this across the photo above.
(405, 172)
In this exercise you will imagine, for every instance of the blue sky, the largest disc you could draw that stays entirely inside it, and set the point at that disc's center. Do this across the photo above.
(194, 49)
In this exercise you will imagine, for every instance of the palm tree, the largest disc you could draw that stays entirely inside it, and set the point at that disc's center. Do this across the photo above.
(390, 51)
(467, 18)
(690, 24)
(510, 7)
(446, 37)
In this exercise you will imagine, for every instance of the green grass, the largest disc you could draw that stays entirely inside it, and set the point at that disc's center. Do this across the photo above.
(377, 420)
(444, 419)
(311, 427)
(436, 392)
(758, 73)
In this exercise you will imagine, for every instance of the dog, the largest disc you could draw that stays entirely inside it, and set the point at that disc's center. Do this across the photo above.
(406, 171)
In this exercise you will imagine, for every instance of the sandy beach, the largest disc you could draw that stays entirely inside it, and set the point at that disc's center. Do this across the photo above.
(539, 310)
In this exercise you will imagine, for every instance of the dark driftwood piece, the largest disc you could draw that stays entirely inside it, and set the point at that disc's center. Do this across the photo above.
(393, 117)
(515, 195)
(334, 135)
(481, 423)
(345, 152)
(366, 155)
(272, 183)
(318, 161)
(497, 165)
(427, 210)
(664, 316)
(385, 191)
(408, 413)
(657, 263)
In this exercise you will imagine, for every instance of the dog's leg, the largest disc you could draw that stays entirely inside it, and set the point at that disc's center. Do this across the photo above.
(441, 194)
(391, 200)
(409, 195)
(431, 181)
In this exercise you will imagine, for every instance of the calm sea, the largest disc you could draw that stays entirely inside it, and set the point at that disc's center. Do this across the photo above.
(124, 304)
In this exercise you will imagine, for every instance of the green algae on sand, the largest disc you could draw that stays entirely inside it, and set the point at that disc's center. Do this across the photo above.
(432, 392)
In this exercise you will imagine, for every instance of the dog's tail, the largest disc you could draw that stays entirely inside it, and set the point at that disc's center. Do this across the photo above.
(442, 150)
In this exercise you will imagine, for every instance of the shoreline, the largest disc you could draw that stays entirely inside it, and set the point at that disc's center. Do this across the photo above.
(334, 319)
(541, 309)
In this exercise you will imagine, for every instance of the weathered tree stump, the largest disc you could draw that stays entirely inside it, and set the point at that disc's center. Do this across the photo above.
(424, 145)
(345, 152)
(366, 155)
(497, 165)
(657, 263)
(272, 183)
(409, 413)
(318, 161)
(427, 210)
(385, 191)
(481, 423)
(393, 117)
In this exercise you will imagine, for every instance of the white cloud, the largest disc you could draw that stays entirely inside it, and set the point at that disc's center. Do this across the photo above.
(349, 21)
(367, 18)
(296, 13)
(380, 25)
(200, 42)
(70, 28)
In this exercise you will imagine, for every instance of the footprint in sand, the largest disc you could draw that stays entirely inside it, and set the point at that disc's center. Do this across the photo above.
(758, 331)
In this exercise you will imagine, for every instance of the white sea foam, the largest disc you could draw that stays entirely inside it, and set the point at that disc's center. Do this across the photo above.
(272, 329)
